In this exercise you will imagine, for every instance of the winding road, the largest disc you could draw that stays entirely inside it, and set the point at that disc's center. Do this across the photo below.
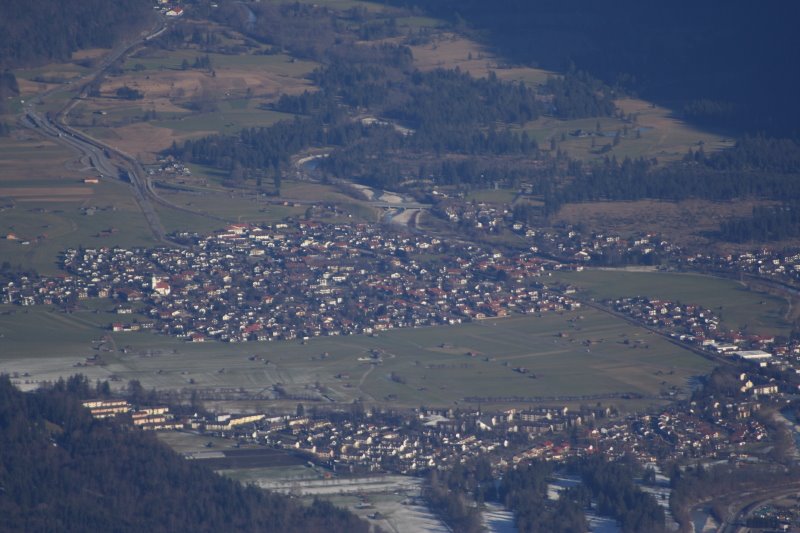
(107, 160)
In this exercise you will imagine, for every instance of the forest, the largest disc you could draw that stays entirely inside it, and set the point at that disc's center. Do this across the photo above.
(413, 116)
(50, 30)
(61, 470)
(766, 223)
(524, 490)
(607, 487)
(447, 127)
(733, 67)
(757, 166)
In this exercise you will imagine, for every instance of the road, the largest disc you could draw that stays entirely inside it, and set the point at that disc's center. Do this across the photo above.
(398, 208)
(748, 502)
(107, 160)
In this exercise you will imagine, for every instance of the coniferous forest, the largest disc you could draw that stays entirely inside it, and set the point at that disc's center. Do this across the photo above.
(730, 66)
(447, 127)
(50, 30)
(61, 470)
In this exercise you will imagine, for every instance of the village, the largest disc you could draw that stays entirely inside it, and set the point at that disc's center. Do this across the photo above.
(569, 247)
(299, 281)
(378, 441)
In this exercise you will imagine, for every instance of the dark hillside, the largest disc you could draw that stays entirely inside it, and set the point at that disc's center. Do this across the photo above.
(60, 470)
(38, 31)
(729, 64)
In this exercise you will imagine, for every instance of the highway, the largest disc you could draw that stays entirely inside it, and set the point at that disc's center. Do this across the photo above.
(109, 162)
(113, 163)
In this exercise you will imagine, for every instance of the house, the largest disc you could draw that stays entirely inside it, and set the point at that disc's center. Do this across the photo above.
(753, 355)
(160, 286)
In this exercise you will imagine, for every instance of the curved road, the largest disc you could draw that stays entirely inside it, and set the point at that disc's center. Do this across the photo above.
(749, 502)
(108, 161)
(101, 157)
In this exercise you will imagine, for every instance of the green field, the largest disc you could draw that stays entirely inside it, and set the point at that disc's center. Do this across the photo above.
(419, 22)
(280, 64)
(234, 208)
(570, 354)
(245, 205)
(497, 196)
(660, 135)
(48, 206)
(61, 225)
(231, 116)
(735, 304)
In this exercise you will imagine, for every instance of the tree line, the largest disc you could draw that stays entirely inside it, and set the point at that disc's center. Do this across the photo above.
(766, 223)
(756, 167)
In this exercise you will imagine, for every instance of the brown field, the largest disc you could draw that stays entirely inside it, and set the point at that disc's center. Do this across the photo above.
(673, 136)
(661, 135)
(177, 84)
(144, 140)
(89, 53)
(451, 51)
(28, 87)
(167, 89)
(680, 222)
(39, 193)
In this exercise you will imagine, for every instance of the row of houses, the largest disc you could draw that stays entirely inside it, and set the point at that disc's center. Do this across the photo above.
(156, 418)
(702, 328)
(571, 245)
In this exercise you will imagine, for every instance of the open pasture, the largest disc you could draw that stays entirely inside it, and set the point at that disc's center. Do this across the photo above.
(250, 207)
(733, 302)
(495, 196)
(46, 206)
(685, 223)
(189, 102)
(555, 357)
(449, 51)
(231, 207)
(152, 61)
(52, 73)
(655, 133)
(230, 117)
(27, 159)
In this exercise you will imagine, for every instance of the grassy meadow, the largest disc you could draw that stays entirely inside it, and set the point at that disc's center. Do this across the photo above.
(46, 206)
(576, 354)
(734, 303)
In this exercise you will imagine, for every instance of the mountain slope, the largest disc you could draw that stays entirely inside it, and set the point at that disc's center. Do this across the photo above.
(60, 470)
